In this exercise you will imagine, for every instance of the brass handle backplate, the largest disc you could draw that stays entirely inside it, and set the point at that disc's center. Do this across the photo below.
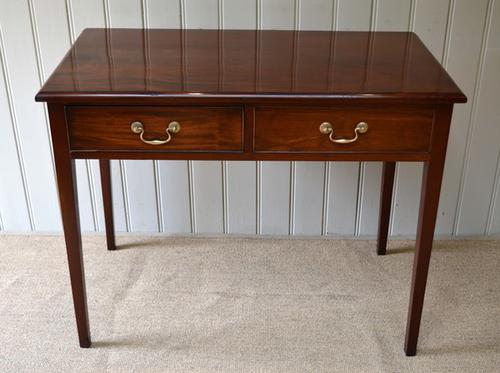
(173, 127)
(326, 128)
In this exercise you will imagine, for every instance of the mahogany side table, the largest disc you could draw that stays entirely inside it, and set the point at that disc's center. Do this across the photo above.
(250, 95)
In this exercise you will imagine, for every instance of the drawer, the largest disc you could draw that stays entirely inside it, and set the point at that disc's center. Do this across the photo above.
(292, 129)
(193, 129)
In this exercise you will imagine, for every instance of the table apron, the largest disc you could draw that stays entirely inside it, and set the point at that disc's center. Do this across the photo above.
(252, 156)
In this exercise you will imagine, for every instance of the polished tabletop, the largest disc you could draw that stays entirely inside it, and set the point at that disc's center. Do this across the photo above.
(164, 63)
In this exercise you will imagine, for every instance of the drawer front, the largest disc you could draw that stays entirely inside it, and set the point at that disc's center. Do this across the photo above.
(200, 129)
(295, 129)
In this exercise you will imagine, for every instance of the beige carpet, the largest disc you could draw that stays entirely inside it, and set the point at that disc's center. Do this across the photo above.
(247, 305)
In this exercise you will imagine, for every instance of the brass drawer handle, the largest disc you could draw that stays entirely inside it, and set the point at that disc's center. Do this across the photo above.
(173, 127)
(326, 128)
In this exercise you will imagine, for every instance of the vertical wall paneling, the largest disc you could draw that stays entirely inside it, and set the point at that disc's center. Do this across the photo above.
(241, 197)
(393, 15)
(147, 56)
(429, 19)
(276, 178)
(368, 198)
(325, 221)
(207, 176)
(118, 180)
(493, 226)
(470, 121)
(83, 14)
(15, 204)
(278, 14)
(250, 197)
(240, 179)
(443, 214)
(343, 177)
(38, 55)
(342, 195)
(354, 15)
(309, 194)
(120, 215)
(275, 197)
(449, 28)
(139, 176)
(239, 14)
(258, 197)
(118, 171)
(192, 209)
(224, 165)
(316, 15)
(208, 199)
(174, 189)
(368, 187)
(369, 173)
(90, 175)
(291, 201)
(483, 143)
(53, 33)
(163, 13)
(463, 60)
(432, 20)
(258, 168)
(126, 13)
(172, 176)
(309, 177)
(202, 14)
(326, 200)
(33, 141)
(390, 15)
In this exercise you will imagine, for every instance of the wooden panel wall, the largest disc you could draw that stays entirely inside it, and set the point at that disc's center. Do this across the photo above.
(301, 198)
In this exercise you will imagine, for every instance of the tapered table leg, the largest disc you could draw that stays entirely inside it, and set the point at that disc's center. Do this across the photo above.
(107, 198)
(385, 206)
(66, 181)
(429, 201)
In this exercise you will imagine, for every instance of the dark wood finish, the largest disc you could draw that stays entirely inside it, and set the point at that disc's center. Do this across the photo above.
(255, 156)
(107, 201)
(202, 129)
(385, 206)
(164, 66)
(68, 199)
(251, 95)
(429, 203)
(296, 129)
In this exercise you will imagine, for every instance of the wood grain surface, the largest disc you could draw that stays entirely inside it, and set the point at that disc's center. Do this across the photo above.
(157, 64)
(202, 129)
(297, 129)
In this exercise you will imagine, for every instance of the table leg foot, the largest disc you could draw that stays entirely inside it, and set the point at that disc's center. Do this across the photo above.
(411, 351)
(85, 343)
